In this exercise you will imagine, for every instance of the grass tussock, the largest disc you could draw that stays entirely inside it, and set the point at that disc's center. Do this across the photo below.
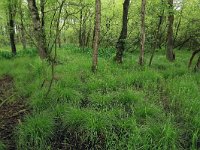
(120, 107)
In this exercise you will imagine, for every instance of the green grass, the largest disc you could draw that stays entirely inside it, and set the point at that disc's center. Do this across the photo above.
(36, 131)
(2, 146)
(120, 107)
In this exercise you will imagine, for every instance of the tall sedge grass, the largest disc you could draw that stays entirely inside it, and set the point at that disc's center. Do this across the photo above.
(120, 107)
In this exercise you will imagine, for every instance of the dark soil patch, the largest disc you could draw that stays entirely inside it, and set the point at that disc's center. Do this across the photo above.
(72, 140)
(12, 109)
(66, 138)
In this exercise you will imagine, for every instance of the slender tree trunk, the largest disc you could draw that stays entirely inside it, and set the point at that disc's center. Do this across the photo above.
(42, 4)
(178, 26)
(23, 39)
(59, 40)
(12, 36)
(38, 29)
(80, 27)
(96, 35)
(170, 53)
(157, 39)
(142, 42)
(42, 9)
(88, 38)
(88, 35)
(11, 9)
(89, 30)
(84, 34)
(120, 46)
(23, 36)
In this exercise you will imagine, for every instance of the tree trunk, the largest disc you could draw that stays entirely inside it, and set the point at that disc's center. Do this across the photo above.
(120, 46)
(178, 26)
(84, 35)
(59, 40)
(22, 29)
(157, 39)
(142, 42)
(80, 27)
(38, 29)
(11, 9)
(170, 54)
(88, 35)
(96, 35)
(23, 37)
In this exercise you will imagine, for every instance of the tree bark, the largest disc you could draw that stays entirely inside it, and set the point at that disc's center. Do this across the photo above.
(170, 53)
(120, 46)
(39, 32)
(80, 27)
(88, 35)
(11, 9)
(96, 35)
(23, 36)
(142, 42)
(59, 40)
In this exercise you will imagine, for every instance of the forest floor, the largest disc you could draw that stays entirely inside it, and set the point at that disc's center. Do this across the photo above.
(11, 111)
(120, 107)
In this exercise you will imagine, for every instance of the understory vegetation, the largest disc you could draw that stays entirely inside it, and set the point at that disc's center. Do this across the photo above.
(122, 106)
(99, 75)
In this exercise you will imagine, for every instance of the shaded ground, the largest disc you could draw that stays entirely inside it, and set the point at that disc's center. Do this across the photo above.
(12, 109)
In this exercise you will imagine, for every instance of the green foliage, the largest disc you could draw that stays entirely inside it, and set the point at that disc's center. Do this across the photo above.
(2, 146)
(9, 55)
(6, 55)
(120, 107)
(36, 132)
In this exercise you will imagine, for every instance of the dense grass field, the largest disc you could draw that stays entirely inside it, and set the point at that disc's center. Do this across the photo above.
(121, 107)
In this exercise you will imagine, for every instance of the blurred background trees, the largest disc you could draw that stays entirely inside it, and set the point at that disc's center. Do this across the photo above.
(169, 24)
